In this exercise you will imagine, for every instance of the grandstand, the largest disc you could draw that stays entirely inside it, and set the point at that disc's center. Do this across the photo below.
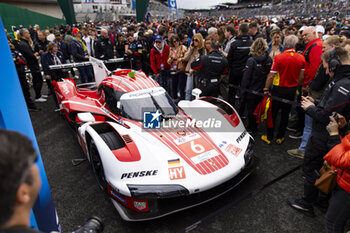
(281, 8)
(103, 10)
(160, 9)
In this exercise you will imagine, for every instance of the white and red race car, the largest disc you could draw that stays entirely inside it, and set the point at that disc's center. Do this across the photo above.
(151, 157)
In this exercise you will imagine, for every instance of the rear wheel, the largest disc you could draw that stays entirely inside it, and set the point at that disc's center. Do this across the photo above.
(97, 166)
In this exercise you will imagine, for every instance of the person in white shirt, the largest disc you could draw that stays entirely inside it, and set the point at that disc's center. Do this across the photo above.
(87, 39)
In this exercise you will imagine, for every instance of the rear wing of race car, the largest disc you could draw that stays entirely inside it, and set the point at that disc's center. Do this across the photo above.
(100, 70)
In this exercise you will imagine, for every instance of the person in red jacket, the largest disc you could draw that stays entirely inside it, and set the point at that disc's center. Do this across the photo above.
(312, 54)
(339, 157)
(159, 62)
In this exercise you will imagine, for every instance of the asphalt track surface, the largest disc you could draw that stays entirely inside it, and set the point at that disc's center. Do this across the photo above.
(77, 196)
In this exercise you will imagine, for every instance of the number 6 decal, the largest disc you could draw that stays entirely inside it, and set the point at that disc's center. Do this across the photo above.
(197, 148)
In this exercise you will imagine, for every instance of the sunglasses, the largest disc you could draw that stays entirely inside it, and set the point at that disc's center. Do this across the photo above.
(195, 40)
(175, 41)
(158, 42)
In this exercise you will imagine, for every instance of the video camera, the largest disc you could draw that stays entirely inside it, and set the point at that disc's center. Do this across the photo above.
(93, 225)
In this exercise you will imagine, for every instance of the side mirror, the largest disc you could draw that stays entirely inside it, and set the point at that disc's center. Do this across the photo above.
(196, 92)
(86, 117)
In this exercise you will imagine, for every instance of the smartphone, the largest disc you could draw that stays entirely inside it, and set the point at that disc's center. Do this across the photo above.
(335, 116)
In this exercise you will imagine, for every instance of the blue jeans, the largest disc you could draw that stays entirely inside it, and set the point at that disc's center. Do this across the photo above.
(306, 132)
(85, 72)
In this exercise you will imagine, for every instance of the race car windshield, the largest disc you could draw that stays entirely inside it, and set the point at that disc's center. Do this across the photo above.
(134, 104)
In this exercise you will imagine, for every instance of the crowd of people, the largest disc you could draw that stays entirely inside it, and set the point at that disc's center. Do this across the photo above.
(304, 61)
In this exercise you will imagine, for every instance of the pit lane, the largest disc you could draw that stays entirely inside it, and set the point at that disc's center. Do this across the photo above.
(77, 196)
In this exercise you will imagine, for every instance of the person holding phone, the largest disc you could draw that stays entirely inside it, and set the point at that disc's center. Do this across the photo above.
(336, 98)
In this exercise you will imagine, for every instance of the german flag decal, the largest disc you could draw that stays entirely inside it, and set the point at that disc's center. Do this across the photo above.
(174, 162)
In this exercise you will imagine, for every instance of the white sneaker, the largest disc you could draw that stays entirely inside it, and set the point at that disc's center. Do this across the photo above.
(44, 96)
(41, 99)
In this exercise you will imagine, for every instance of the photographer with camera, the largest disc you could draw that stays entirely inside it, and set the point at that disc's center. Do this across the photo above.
(20, 185)
(336, 98)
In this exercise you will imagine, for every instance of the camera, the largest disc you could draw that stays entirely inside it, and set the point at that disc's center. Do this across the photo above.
(93, 225)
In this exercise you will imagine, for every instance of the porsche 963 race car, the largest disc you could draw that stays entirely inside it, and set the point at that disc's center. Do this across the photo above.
(151, 157)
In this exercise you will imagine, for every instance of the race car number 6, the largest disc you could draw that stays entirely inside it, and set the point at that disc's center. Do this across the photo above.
(197, 148)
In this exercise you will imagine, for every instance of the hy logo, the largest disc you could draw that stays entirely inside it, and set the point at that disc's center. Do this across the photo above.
(151, 120)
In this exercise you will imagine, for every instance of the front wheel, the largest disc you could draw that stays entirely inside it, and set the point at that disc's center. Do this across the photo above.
(97, 166)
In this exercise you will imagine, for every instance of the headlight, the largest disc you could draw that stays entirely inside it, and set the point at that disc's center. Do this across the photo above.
(157, 191)
(249, 152)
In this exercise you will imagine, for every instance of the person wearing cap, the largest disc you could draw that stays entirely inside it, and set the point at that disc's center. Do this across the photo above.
(51, 36)
(112, 34)
(320, 30)
(159, 61)
(312, 54)
(300, 47)
(58, 40)
(316, 88)
(80, 54)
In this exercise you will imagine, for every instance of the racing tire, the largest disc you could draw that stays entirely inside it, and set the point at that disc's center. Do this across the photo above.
(97, 166)
(112, 140)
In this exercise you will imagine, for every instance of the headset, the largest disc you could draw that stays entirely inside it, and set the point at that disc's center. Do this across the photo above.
(333, 62)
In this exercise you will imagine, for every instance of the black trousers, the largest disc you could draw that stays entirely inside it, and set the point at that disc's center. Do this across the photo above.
(236, 80)
(37, 78)
(25, 88)
(285, 93)
(338, 211)
(251, 104)
(210, 89)
(178, 84)
(315, 150)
